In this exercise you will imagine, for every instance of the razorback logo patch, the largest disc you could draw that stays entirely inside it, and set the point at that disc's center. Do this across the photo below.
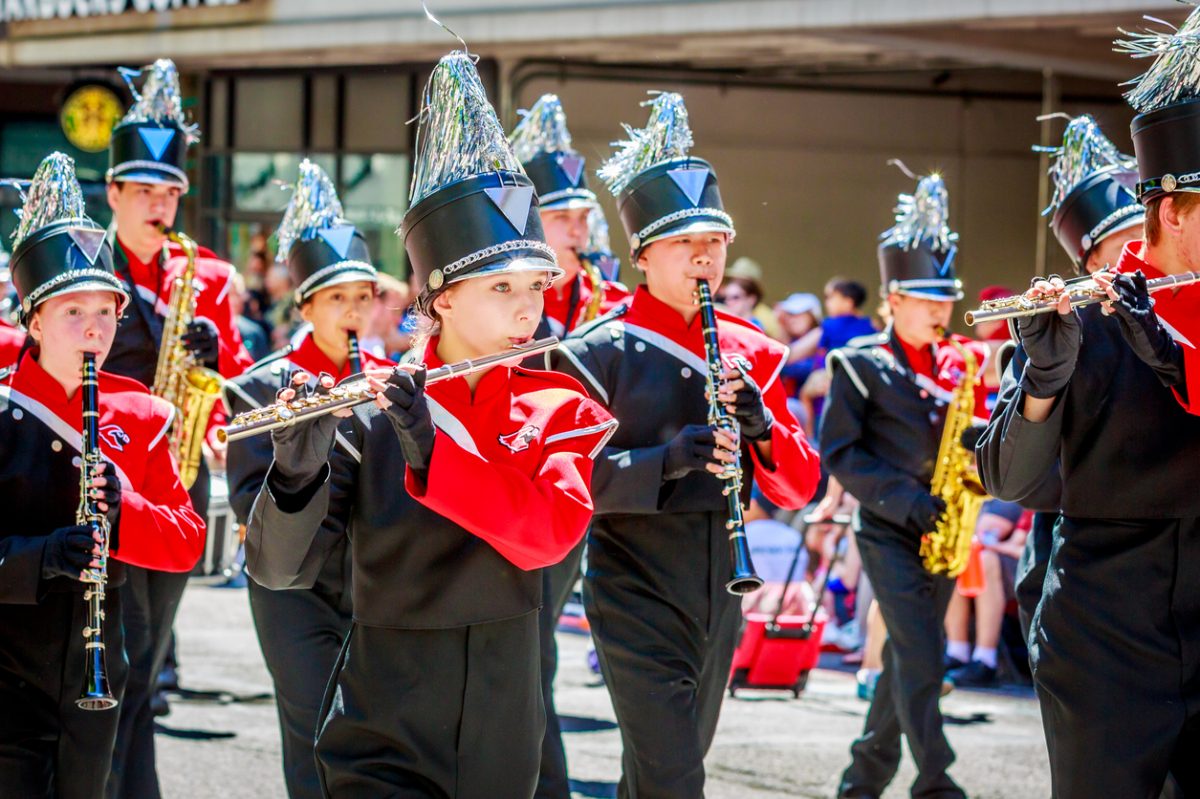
(114, 436)
(520, 440)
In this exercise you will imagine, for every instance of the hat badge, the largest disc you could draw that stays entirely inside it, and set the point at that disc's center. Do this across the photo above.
(436, 279)
(1169, 183)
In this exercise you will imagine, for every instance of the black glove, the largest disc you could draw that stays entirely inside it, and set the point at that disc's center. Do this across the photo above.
(302, 450)
(202, 340)
(110, 494)
(970, 436)
(1051, 340)
(409, 415)
(925, 511)
(1143, 332)
(690, 451)
(68, 552)
(754, 417)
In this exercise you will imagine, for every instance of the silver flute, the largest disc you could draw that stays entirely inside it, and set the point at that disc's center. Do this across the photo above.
(355, 390)
(1081, 290)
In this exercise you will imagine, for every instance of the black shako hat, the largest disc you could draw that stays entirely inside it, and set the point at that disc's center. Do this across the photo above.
(57, 248)
(1094, 190)
(542, 143)
(1166, 131)
(149, 145)
(320, 247)
(472, 209)
(916, 256)
(661, 190)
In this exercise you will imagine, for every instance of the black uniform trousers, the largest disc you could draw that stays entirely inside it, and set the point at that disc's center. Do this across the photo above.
(429, 713)
(1116, 657)
(152, 599)
(913, 603)
(557, 582)
(1031, 568)
(300, 633)
(49, 748)
(665, 635)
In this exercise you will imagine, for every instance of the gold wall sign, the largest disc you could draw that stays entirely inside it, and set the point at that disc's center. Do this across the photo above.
(88, 116)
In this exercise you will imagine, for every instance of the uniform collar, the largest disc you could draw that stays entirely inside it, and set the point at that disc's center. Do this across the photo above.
(1133, 258)
(34, 381)
(494, 383)
(142, 273)
(309, 357)
(649, 311)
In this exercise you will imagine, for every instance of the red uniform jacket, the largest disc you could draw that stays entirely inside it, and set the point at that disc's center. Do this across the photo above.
(157, 528)
(1179, 311)
(11, 341)
(563, 313)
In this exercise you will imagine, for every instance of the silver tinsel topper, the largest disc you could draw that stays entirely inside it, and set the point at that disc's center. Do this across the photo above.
(458, 133)
(923, 216)
(1084, 151)
(160, 100)
(1174, 77)
(53, 194)
(542, 129)
(667, 135)
(314, 206)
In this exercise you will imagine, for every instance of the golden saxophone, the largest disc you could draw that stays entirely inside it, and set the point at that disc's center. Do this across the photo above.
(1081, 290)
(190, 387)
(956, 482)
(597, 300)
(355, 390)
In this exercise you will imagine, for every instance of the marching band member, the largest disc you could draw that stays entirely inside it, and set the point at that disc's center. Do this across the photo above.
(455, 495)
(301, 630)
(567, 207)
(1117, 595)
(1093, 212)
(880, 438)
(146, 180)
(70, 301)
(658, 552)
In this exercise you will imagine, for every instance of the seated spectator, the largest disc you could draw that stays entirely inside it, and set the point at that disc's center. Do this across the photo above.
(1000, 531)
(774, 548)
(799, 316)
(844, 321)
(740, 296)
(254, 334)
(751, 270)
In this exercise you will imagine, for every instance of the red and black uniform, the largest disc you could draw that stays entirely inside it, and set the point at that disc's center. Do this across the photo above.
(436, 692)
(11, 342)
(300, 630)
(880, 437)
(561, 314)
(153, 596)
(49, 747)
(658, 551)
(1179, 312)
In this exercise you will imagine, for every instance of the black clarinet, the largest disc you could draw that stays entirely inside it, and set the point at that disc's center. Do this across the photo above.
(355, 356)
(96, 694)
(743, 580)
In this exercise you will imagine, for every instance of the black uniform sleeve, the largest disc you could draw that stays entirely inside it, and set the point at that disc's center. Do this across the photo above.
(289, 537)
(21, 569)
(248, 459)
(886, 491)
(624, 480)
(1018, 459)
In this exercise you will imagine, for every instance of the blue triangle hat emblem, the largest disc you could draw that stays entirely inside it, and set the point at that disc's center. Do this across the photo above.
(945, 266)
(690, 181)
(338, 238)
(156, 140)
(514, 202)
(89, 241)
(572, 167)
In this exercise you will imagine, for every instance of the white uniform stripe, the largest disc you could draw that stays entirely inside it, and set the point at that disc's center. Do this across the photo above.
(591, 378)
(166, 427)
(666, 345)
(839, 358)
(451, 426)
(72, 437)
(608, 428)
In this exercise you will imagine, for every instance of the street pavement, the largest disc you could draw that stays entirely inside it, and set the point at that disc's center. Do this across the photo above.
(223, 743)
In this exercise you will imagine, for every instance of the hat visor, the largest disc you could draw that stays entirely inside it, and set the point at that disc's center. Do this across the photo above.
(90, 284)
(695, 225)
(353, 272)
(525, 263)
(152, 176)
(935, 294)
(567, 203)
